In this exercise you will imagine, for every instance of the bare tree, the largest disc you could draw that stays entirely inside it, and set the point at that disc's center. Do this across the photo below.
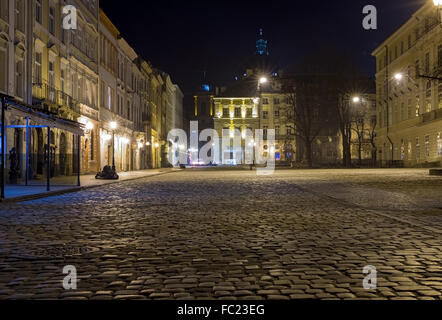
(304, 97)
(364, 125)
(326, 80)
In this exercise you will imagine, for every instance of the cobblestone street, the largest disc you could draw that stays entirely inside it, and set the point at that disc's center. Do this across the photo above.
(211, 234)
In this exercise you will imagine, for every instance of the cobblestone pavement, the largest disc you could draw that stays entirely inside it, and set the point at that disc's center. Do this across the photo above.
(217, 235)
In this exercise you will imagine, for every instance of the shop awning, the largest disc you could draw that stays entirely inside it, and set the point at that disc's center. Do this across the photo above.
(43, 117)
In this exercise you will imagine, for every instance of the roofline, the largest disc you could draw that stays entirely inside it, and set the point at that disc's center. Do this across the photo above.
(403, 27)
(107, 23)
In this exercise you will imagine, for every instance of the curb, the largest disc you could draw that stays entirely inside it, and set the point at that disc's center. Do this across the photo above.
(75, 189)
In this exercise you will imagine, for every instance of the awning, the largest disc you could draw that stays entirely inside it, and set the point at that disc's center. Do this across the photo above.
(43, 117)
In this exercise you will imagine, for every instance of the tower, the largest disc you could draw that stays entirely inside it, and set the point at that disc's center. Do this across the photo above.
(261, 44)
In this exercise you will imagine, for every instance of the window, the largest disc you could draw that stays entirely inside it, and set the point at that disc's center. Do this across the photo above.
(19, 78)
(237, 112)
(427, 146)
(402, 149)
(288, 130)
(19, 16)
(416, 34)
(418, 149)
(51, 74)
(62, 79)
(3, 69)
(249, 112)
(439, 56)
(265, 101)
(417, 106)
(402, 47)
(316, 113)
(428, 97)
(63, 36)
(265, 114)
(38, 71)
(409, 41)
(439, 144)
(51, 81)
(52, 20)
(277, 130)
(417, 71)
(4, 10)
(264, 130)
(427, 63)
(226, 112)
(38, 11)
(426, 25)
(395, 116)
(276, 113)
(402, 112)
(276, 101)
(440, 94)
(203, 108)
(109, 98)
(92, 145)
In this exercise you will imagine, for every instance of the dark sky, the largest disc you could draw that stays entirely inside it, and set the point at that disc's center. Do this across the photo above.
(187, 37)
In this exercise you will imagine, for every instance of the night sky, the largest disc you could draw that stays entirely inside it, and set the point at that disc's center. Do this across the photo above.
(188, 38)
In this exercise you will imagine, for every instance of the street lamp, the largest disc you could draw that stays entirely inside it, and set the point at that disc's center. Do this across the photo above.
(89, 126)
(356, 99)
(398, 76)
(263, 80)
(113, 126)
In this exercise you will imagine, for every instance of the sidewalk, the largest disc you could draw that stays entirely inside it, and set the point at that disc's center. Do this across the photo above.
(18, 193)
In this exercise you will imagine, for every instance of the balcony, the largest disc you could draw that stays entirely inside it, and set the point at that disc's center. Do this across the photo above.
(42, 91)
(51, 96)
(431, 116)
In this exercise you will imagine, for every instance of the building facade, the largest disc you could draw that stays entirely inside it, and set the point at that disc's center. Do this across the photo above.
(256, 101)
(409, 96)
(88, 74)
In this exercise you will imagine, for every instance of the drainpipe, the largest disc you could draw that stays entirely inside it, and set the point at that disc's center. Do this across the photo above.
(388, 109)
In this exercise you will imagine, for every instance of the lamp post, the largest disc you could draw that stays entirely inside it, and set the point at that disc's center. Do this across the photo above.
(359, 130)
(262, 81)
(113, 126)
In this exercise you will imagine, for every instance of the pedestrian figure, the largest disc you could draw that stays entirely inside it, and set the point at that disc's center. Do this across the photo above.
(13, 166)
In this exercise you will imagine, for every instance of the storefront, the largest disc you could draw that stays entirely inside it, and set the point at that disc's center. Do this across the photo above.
(37, 147)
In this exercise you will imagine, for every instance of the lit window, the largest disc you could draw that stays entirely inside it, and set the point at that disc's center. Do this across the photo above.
(418, 149)
(427, 146)
(439, 144)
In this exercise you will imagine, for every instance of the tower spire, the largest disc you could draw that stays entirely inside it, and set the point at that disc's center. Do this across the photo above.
(261, 44)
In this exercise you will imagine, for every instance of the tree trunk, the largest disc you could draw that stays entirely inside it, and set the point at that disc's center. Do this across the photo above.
(309, 154)
(346, 161)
